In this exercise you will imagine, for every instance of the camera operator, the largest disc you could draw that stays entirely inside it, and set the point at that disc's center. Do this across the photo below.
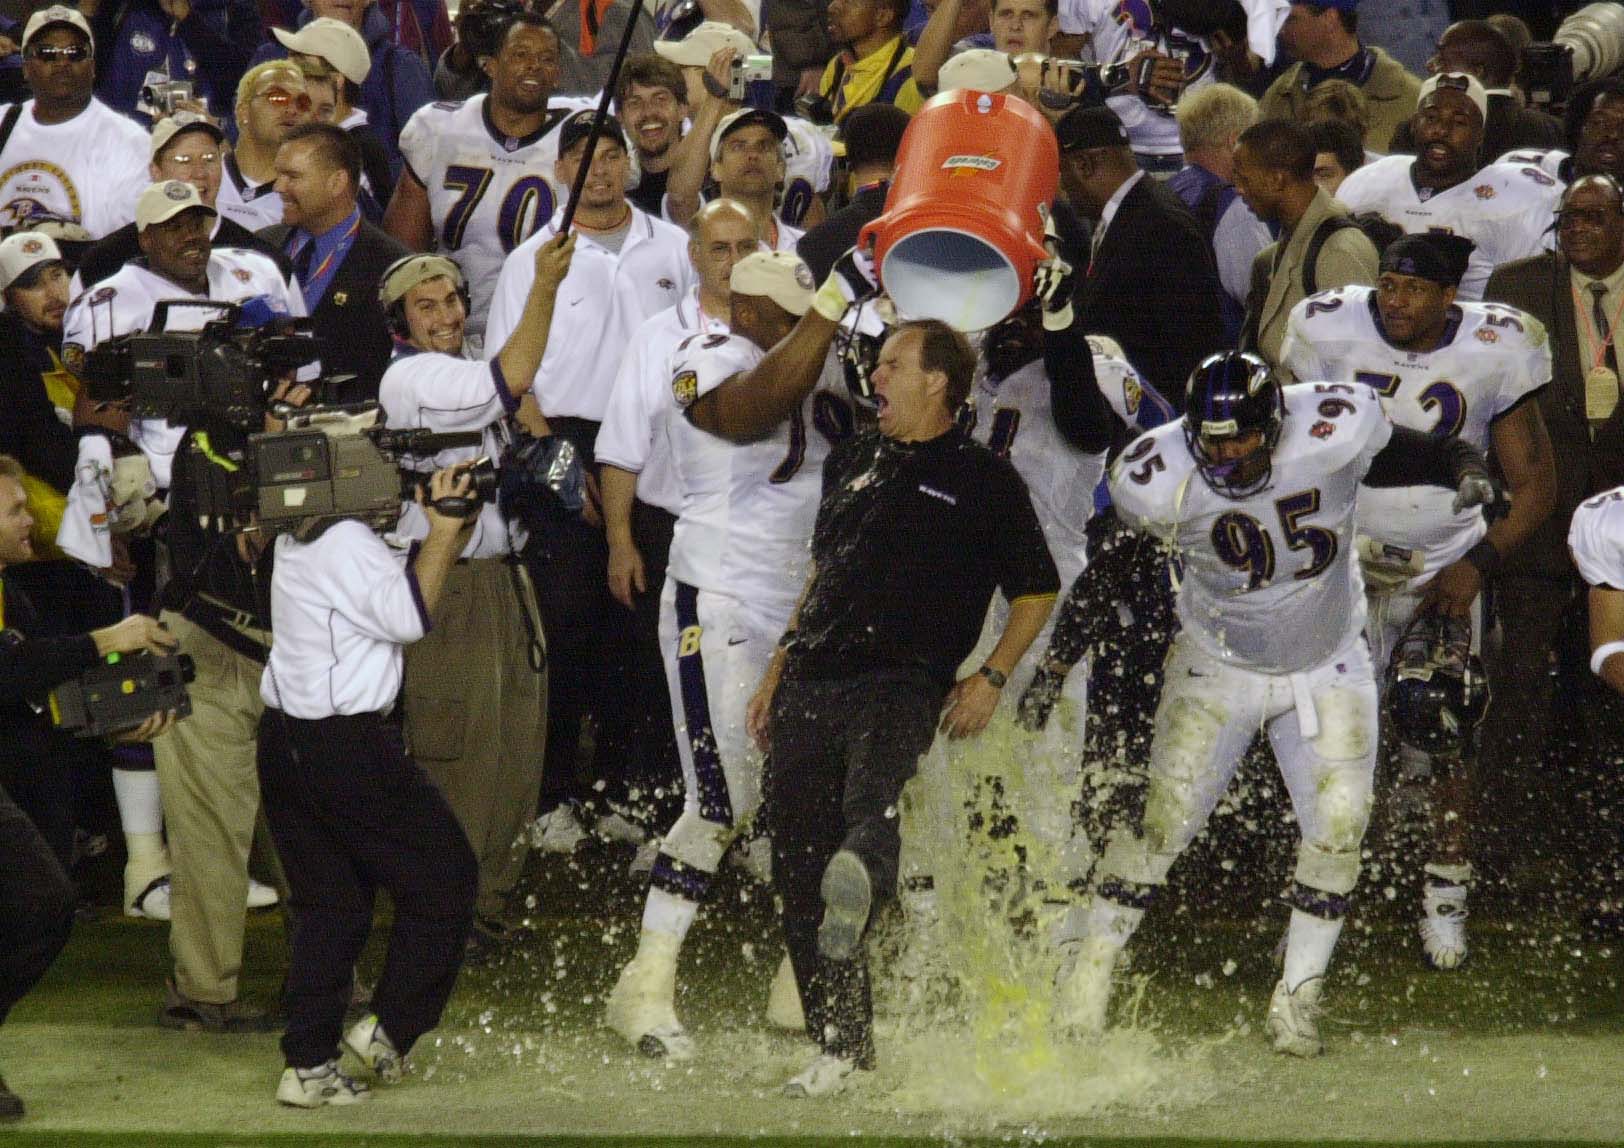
(350, 811)
(476, 693)
(36, 897)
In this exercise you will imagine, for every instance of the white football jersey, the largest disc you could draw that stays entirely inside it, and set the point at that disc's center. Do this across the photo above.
(1492, 357)
(1596, 539)
(1504, 209)
(1117, 31)
(636, 431)
(1552, 161)
(809, 157)
(748, 509)
(90, 169)
(487, 192)
(448, 394)
(1269, 581)
(124, 303)
(251, 205)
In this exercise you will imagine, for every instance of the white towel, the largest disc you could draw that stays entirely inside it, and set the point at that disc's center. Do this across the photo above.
(85, 532)
(1263, 21)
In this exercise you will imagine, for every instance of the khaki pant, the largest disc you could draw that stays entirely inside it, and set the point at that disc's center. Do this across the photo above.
(476, 717)
(210, 788)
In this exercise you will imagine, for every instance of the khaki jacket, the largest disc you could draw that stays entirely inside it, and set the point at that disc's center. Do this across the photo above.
(1347, 257)
(1392, 94)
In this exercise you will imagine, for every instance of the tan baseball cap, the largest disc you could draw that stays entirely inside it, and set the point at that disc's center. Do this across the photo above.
(163, 201)
(779, 275)
(411, 271)
(56, 14)
(169, 127)
(977, 70)
(24, 250)
(331, 40)
(696, 48)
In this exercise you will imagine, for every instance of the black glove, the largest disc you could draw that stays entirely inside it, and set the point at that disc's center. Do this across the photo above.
(1038, 700)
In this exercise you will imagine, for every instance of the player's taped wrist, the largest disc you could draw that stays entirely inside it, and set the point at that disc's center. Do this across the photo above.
(1485, 558)
(1603, 652)
(833, 298)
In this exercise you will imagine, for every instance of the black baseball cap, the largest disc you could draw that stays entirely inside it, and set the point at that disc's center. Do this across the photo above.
(579, 126)
(1090, 127)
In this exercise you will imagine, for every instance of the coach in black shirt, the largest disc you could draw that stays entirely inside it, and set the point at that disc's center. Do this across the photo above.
(918, 526)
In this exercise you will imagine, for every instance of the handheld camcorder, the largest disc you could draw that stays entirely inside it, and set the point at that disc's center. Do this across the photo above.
(120, 692)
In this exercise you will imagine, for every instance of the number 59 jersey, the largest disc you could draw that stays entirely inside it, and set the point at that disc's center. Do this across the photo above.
(748, 508)
(1269, 583)
(1491, 358)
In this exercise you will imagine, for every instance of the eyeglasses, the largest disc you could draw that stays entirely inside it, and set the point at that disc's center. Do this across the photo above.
(281, 98)
(68, 53)
(208, 158)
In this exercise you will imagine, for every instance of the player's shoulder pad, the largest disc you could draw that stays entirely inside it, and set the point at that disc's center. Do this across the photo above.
(1146, 478)
(702, 362)
(1500, 326)
(1373, 178)
(1596, 539)
(1333, 421)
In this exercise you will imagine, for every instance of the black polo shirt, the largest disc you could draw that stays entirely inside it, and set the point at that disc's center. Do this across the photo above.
(910, 543)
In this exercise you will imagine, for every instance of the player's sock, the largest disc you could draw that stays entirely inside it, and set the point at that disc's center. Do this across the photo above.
(1116, 910)
(1316, 924)
(140, 809)
(669, 914)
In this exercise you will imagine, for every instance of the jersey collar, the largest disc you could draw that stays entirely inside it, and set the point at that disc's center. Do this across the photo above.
(515, 143)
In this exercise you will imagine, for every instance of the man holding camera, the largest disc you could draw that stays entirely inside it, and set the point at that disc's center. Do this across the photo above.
(476, 688)
(351, 812)
(36, 897)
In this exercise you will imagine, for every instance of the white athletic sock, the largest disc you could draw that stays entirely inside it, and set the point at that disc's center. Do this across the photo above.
(669, 914)
(140, 809)
(1309, 942)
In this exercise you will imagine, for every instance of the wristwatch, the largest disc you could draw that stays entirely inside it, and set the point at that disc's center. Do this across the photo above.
(996, 677)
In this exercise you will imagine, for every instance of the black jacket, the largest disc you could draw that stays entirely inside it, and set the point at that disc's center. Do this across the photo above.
(31, 665)
(1510, 127)
(29, 430)
(107, 256)
(1152, 286)
(349, 320)
(836, 235)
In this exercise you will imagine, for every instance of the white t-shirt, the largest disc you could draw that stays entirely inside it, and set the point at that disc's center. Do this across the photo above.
(1596, 539)
(1492, 358)
(1269, 583)
(342, 608)
(636, 431)
(448, 394)
(602, 301)
(124, 303)
(488, 192)
(90, 169)
(1504, 209)
(748, 509)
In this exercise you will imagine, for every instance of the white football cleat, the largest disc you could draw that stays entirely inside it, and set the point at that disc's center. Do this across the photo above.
(825, 1076)
(784, 999)
(559, 831)
(1443, 925)
(261, 896)
(1294, 1018)
(847, 895)
(642, 1005)
(373, 1048)
(1083, 986)
(314, 1087)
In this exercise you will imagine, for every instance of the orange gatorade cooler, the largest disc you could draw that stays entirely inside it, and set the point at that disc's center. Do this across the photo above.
(962, 230)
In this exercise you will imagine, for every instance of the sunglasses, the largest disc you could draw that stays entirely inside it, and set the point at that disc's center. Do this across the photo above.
(205, 157)
(51, 53)
(281, 98)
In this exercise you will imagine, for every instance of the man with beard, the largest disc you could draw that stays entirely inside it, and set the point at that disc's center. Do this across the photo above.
(1594, 130)
(1444, 187)
(479, 177)
(875, 62)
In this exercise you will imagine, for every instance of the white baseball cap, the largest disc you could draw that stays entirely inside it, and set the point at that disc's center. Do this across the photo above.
(163, 201)
(24, 250)
(1460, 81)
(56, 14)
(744, 118)
(779, 275)
(169, 127)
(331, 40)
(977, 70)
(696, 48)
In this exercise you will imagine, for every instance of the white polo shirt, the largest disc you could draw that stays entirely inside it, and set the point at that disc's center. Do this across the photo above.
(636, 433)
(600, 304)
(343, 607)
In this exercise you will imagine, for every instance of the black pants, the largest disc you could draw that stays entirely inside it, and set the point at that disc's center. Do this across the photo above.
(841, 753)
(351, 813)
(36, 904)
(652, 767)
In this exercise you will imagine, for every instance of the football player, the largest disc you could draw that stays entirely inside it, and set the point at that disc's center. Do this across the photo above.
(750, 466)
(1445, 187)
(1254, 490)
(1451, 370)
(1596, 541)
(478, 176)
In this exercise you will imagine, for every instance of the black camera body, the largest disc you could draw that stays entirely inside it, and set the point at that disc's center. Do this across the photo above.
(120, 692)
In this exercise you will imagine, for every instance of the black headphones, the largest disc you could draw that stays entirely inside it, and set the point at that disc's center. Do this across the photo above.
(407, 272)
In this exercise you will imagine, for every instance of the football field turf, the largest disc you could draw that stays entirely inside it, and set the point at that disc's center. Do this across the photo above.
(1526, 1044)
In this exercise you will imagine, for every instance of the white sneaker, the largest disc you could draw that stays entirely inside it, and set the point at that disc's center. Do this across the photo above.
(641, 1006)
(847, 895)
(261, 896)
(1294, 1018)
(373, 1048)
(314, 1087)
(825, 1076)
(559, 831)
(1443, 925)
(152, 902)
(784, 999)
(617, 827)
(1083, 986)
